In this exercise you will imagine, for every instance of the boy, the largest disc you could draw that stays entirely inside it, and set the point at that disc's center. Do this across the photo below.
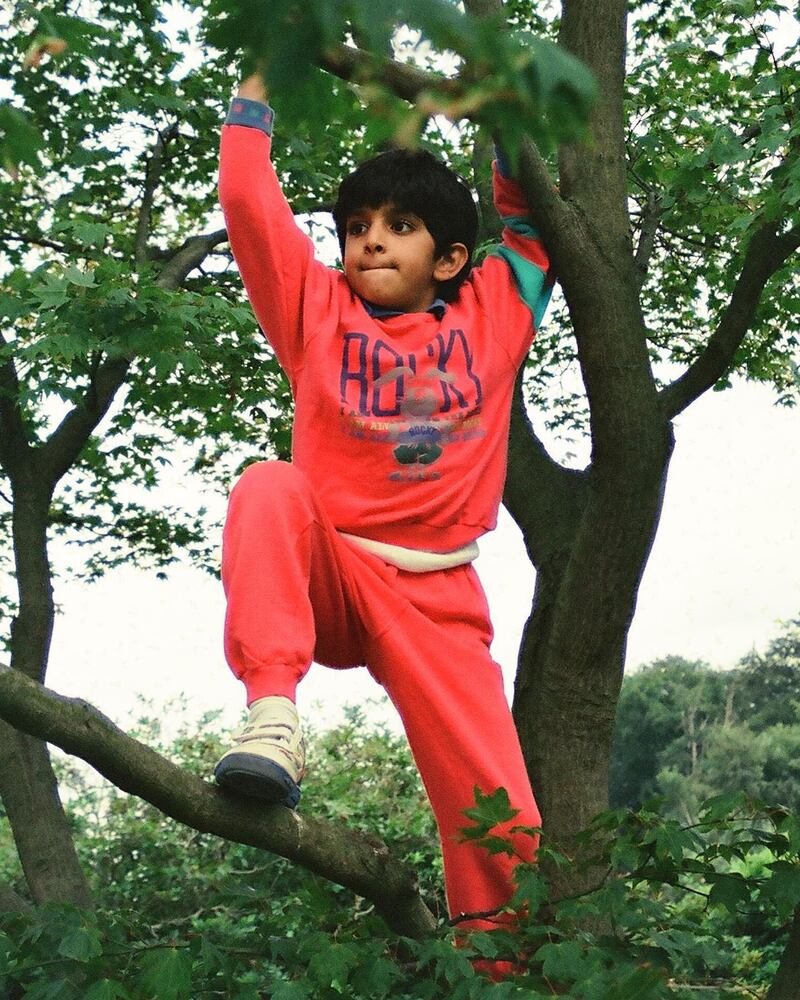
(360, 551)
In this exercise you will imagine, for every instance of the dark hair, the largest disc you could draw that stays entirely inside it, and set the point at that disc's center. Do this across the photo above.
(414, 181)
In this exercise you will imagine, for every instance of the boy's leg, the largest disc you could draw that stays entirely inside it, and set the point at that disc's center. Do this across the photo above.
(434, 663)
(284, 582)
(286, 586)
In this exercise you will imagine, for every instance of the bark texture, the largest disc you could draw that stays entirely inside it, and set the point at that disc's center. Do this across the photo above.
(786, 985)
(589, 533)
(358, 861)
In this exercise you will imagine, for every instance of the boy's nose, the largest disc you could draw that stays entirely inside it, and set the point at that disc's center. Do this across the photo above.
(375, 240)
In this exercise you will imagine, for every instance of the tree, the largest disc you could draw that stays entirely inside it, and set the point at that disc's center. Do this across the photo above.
(767, 689)
(673, 231)
(687, 732)
(664, 711)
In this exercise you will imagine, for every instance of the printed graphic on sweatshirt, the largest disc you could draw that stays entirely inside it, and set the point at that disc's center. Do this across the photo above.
(417, 404)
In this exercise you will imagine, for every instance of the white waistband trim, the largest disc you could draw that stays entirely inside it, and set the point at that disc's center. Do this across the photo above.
(416, 560)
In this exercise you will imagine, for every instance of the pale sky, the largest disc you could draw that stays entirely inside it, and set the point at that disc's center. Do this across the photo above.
(724, 571)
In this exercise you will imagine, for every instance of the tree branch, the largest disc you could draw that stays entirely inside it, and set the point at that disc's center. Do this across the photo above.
(152, 177)
(14, 446)
(11, 901)
(359, 862)
(187, 257)
(34, 239)
(65, 443)
(647, 236)
(543, 497)
(594, 174)
(766, 252)
(405, 80)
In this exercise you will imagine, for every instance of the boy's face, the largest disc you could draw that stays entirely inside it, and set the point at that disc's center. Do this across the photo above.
(389, 259)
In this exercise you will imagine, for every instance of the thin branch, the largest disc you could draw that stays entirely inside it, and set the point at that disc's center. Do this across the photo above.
(405, 80)
(152, 178)
(65, 443)
(34, 239)
(647, 236)
(767, 251)
(359, 862)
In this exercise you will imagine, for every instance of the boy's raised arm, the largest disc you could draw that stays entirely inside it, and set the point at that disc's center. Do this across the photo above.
(520, 263)
(275, 257)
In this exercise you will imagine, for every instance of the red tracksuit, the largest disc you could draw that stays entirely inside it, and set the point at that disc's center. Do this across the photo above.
(399, 436)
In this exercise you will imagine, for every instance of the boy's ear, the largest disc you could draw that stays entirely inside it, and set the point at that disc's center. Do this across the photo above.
(450, 263)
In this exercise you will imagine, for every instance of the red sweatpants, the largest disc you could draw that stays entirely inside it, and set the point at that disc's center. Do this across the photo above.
(298, 591)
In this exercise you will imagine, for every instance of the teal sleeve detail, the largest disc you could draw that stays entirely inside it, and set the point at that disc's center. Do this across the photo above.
(521, 224)
(531, 281)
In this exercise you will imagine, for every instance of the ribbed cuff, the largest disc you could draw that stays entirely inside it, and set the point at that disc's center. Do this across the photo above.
(278, 678)
(251, 114)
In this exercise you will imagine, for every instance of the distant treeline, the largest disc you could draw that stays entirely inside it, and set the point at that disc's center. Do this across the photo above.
(686, 731)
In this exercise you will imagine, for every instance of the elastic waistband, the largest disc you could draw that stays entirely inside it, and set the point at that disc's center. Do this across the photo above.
(416, 560)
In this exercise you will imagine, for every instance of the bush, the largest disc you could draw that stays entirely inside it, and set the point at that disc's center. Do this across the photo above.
(183, 915)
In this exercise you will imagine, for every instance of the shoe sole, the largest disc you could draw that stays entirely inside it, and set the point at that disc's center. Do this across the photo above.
(257, 778)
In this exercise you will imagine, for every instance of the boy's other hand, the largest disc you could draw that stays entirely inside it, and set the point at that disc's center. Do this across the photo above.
(253, 89)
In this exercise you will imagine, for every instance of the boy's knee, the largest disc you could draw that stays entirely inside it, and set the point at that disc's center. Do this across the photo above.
(269, 476)
(264, 481)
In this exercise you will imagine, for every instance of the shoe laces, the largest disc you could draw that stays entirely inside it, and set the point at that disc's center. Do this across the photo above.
(279, 732)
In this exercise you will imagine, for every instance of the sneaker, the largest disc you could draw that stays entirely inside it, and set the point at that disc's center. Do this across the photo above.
(269, 759)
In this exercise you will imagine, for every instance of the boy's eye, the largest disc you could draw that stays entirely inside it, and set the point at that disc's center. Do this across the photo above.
(402, 226)
(356, 228)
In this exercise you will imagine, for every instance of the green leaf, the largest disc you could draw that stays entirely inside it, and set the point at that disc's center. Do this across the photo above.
(564, 961)
(723, 806)
(672, 841)
(728, 890)
(167, 974)
(107, 989)
(489, 811)
(783, 887)
(52, 293)
(20, 140)
(789, 826)
(75, 276)
(80, 943)
(90, 233)
(283, 990)
(376, 979)
(331, 966)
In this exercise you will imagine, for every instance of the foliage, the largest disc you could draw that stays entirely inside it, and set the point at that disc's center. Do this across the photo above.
(109, 147)
(183, 916)
(521, 83)
(663, 712)
(713, 133)
(687, 732)
(203, 395)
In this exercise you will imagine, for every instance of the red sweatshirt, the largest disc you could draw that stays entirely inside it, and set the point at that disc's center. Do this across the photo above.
(401, 423)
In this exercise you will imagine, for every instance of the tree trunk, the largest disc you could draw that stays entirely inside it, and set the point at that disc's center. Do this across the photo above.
(784, 986)
(41, 830)
(27, 783)
(573, 651)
